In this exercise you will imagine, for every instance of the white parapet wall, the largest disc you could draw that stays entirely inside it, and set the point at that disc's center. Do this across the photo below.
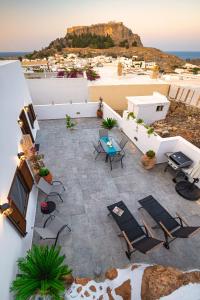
(58, 90)
(139, 136)
(59, 111)
(108, 112)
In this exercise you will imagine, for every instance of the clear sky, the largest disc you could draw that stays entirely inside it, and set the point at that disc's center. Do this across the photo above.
(26, 25)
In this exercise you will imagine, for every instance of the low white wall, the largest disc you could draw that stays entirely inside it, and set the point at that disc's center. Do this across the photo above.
(108, 112)
(138, 134)
(59, 111)
(58, 90)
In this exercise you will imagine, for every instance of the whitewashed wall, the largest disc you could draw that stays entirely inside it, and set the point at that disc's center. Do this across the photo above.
(58, 90)
(138, 134)
(74, 110)
(14, 95)
(108, 112)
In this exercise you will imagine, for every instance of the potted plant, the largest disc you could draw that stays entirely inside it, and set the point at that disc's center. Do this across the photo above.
(109, 123)
(131, 115)
(148, 159)
(69, 123)
(45, 173)
(41, 273)
(100, 107)
(139, 122)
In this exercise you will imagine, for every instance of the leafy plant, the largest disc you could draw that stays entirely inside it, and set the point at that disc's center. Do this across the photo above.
(150, 154)
(69, 123)
(100, 105)
(150, 131)
(91, 74)
(41, 272)
(131, 115)
(109, 123)
(43, 172)
(139, 121)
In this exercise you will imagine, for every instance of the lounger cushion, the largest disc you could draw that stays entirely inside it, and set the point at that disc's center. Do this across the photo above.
(126, 221)
(146, 244)
(184, 232)
(158, 212)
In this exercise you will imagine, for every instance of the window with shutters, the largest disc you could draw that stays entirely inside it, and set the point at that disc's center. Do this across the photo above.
(25, 128)
(18, 196)
(31, 115)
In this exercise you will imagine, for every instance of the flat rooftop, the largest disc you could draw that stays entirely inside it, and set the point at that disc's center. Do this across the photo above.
(108, 76)
(91, 186)
(148, 100)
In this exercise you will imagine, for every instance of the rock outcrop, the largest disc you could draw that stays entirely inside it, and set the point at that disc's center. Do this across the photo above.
(139, 282)
(182, 120)
(116, 30)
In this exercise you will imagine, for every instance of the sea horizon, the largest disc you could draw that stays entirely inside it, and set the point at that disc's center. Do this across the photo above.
(182, 54)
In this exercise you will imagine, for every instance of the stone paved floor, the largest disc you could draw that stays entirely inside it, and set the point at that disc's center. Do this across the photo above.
(91, 186)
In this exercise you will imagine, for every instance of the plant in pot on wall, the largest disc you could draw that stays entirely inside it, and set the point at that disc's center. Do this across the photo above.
(131, 115)
(109, 123)
(100, 108)
(42, 273)
(139, 122)
(148, 159)
(45, 173)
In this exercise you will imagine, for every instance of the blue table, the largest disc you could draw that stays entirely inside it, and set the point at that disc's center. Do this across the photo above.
(110, 150)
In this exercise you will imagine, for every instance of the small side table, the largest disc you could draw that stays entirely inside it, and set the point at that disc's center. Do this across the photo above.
(47, 210)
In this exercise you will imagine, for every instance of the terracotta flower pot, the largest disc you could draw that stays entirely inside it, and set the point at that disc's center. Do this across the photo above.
(100, 114)
(148, 163)
(69, 279)
(48, 178)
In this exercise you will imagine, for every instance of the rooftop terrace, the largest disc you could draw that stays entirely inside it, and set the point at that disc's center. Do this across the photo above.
(91, 186)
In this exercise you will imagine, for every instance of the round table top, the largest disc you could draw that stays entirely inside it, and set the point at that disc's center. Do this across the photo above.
(51, 206)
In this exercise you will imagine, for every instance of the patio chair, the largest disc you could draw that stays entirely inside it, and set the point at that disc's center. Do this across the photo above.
(137, 237)
(56, 188)
(123, 142)
(172, 227)
(116, 157)
(98, 149)
(103, 132)
(52, 230)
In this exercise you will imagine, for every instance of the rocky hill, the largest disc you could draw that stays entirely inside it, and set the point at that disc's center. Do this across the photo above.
(119, 33)
(113, 39)
(138, 281)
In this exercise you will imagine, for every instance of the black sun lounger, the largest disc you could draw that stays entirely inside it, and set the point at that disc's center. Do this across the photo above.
(137, 237)
(172, 227)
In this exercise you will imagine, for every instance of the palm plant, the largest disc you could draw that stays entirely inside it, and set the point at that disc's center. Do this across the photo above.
(109, 123)
(41, 273)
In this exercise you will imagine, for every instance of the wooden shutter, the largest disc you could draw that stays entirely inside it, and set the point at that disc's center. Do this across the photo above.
(18, 216)
(31, 114)
(26, 174)
(25, 128)
(17, 219)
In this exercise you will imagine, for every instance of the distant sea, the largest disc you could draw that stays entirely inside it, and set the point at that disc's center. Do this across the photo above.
(185, 54)
(181, 54)
(13, 54)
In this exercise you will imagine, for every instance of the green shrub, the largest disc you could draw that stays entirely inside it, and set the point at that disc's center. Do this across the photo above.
(139, 121)
(69, 123)
(40, 272)
(43, 172)
(130, 115)
(150, 154)
(150, 131)
(109, 123)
